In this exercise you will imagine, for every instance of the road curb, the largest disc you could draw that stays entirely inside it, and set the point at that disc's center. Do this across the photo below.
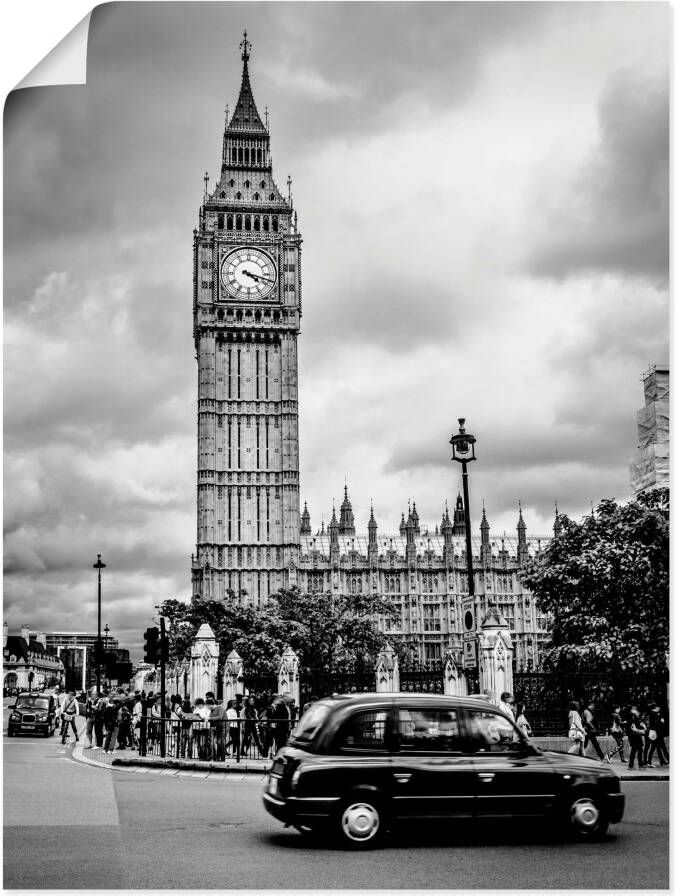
(188, 765)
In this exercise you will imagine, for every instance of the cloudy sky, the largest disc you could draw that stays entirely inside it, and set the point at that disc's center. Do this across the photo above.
(482, 191)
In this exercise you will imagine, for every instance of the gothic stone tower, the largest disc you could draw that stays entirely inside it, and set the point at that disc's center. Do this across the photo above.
(247, 307)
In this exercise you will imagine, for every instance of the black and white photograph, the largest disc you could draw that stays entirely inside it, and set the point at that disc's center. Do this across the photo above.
(336, 447)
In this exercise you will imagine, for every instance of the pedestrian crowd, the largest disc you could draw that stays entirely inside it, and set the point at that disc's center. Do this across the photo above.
(251, 725)
(645, 731)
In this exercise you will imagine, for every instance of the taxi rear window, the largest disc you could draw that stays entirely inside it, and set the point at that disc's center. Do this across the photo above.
(311, 721)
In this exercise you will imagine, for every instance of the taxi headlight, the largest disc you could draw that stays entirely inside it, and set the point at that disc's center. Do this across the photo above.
(273, 786)
(15, 717)
(295, 779)
(41, 717)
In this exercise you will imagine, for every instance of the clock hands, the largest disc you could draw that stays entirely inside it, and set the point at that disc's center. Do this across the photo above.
(258, 277)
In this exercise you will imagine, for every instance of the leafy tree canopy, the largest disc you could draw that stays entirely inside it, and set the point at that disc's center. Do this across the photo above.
(326, 631)
(605, 582)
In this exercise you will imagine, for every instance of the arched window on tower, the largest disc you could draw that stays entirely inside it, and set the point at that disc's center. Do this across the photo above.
(238, 222)
(247, 222)
(230, 222)
(266, 223)
(262, 184)
(272, 197)
(247, 184)
(275, 223)
(256, 196)
(221, 222)
(256, 222)
(246, 155)
(222, 194)
(231, 183)
(241, 156)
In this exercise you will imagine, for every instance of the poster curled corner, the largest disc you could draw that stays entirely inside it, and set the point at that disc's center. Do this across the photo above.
(65, 64)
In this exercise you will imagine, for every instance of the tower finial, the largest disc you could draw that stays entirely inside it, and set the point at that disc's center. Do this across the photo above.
(206, 184)
(290, 195)
(245, 46)
(267, 119)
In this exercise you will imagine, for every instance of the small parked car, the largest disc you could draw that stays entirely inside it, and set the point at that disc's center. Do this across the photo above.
(33, 713)
(356, 764)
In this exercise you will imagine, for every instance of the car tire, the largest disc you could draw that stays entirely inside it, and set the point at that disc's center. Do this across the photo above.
(586, 818)
(360, 821)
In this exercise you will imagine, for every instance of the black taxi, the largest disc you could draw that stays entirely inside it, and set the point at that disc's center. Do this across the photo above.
(33, 713)
(358, 763)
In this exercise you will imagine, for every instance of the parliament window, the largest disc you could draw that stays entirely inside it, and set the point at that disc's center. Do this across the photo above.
(432, 617)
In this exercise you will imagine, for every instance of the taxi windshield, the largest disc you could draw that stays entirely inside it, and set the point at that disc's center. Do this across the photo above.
(32, 703)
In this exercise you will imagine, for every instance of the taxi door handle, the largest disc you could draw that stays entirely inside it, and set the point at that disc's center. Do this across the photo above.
(486, 776)
(402, 778)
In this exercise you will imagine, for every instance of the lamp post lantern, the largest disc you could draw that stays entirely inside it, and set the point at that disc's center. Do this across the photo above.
(463, 451)
(99, 566)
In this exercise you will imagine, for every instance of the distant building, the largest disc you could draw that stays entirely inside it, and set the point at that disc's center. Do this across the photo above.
(76, 650)
(649, 464)
(28, 662)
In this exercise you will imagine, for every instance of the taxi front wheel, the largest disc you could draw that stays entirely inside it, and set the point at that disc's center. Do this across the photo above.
(587, 819)
(360, 822)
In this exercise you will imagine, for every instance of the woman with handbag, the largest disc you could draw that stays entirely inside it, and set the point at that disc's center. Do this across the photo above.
(636, 733)
(577, 732)
(617, 733)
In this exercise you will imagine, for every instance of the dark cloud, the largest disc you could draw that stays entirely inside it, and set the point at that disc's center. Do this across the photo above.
(616, 219)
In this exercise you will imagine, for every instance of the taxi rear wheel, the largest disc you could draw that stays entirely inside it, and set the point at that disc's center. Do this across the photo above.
(360, 821)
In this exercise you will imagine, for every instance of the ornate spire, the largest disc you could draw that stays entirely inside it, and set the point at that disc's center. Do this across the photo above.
(371, 522)
(415, 520)
(484, 525)
(557, 525)
(245, 116)
(459, 521)
(521, 527)
(305, 525)
(347, 526)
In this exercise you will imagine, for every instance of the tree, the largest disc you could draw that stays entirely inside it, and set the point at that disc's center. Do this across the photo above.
(333, 630)
(605, 582)
(256, 634)
(326, 631)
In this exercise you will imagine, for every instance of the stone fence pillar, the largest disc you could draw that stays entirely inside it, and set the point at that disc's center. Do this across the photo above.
(233, 676)
(495, 650)
(288, 676)
(454, 683)
(203, 663)
(386, 670)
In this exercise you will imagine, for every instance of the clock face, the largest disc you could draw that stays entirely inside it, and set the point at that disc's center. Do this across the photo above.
(248, 273)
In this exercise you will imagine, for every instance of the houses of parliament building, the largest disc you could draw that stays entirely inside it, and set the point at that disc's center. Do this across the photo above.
(252, 538)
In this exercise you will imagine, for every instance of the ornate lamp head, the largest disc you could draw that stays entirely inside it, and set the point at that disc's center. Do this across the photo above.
(463, 444)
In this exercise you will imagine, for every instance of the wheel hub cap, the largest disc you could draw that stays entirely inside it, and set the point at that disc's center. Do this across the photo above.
(360, 821)
(585, 814)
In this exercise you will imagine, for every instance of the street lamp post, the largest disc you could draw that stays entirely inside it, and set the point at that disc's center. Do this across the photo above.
(99, 566)
(463, 451)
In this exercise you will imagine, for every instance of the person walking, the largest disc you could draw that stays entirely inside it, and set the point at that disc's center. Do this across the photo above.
(656, 740)
(506, 704)
(217, 724)
(636, 732)
(280, 720)
(232, 728)
(136, 718)
(202, 731)
(617, 732)
(68, 714)
(99, 720)
(89, 708)
(592, 732)
(576, 732)
(251, 727)
(111, 721)
(125, 736)
(521, 721)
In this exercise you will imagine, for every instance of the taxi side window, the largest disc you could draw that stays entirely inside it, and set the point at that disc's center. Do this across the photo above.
(492, 733)
(363, 731)
(429, 730)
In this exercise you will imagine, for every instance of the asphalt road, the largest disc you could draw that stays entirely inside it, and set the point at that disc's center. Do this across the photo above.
(69, 825)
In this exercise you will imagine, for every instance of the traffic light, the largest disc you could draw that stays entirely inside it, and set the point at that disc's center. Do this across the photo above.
(151, 645)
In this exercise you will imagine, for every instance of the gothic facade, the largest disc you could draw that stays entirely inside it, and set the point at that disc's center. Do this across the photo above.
(251, 538)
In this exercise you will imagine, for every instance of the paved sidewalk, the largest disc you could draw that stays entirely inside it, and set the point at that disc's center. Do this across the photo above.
(130, 761)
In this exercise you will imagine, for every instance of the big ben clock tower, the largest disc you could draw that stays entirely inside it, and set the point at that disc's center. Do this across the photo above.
(246, 310)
